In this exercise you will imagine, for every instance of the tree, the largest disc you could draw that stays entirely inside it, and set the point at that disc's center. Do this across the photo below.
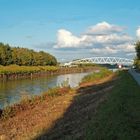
(137, 60)
(138, 49)
(5, 54)
(24, 56)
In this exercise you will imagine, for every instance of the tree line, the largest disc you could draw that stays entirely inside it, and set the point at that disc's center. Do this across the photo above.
(24, 57)
(137, 60)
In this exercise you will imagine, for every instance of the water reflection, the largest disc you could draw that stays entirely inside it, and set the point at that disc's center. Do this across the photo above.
(73, 79)
(11, 91)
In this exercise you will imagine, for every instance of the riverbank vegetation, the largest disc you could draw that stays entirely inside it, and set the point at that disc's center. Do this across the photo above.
(29, 102)
(15, 69)
(103, 109)
(96, 75)
(24, 57)
(137, 59)
(119, 116)
(42, 110)
(15, 72)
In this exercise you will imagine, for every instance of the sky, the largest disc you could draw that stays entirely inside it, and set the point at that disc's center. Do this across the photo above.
(72, 29)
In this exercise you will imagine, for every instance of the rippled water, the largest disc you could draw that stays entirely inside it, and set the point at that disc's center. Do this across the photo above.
(11, 91)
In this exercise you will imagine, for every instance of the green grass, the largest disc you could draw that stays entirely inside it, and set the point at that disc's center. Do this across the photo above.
(103, 72)
(15, 69)
(118, 118)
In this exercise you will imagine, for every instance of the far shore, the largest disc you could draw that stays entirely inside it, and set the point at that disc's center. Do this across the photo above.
(24, 72)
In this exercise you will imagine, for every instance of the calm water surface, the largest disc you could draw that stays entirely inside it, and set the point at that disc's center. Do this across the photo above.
(11, 91)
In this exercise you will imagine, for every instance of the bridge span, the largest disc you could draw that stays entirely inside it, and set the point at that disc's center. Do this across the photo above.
(103, 60)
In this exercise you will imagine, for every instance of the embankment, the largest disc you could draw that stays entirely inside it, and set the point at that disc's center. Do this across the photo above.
(61, 113)
(22, 72)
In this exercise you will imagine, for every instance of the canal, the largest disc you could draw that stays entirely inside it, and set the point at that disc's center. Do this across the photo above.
(12, 91)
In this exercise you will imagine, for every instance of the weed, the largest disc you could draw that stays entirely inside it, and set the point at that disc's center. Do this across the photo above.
(96, 75)
(7, 112)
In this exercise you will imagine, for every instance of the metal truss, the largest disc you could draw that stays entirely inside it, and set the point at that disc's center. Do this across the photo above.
(104, 60)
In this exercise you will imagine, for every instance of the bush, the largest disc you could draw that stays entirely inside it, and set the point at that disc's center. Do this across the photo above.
(137, 60)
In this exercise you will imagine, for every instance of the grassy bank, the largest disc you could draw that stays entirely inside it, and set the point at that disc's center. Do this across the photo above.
(119, 116)
(105, 109)
(96, 75)
(29, 102)
(44, 112)
(13, 72)
(15, 69)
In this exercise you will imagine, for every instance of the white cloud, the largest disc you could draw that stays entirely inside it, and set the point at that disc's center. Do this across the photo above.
(114, 49)
(104, 51)
(138, 32)
(111, 39)
(102, 38)
(66, 39)
(129, 48)
(131, 54)
(104, 28)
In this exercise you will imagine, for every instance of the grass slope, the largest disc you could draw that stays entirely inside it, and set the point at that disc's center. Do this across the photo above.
(97, 75)
(15, 69)
(107, 109)
(118, 118)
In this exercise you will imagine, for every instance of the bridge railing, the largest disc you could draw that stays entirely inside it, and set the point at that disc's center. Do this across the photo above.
(104, 60)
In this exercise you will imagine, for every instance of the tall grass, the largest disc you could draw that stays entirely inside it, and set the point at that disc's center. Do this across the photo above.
(29, 102)
(103, 72)
(15, 69)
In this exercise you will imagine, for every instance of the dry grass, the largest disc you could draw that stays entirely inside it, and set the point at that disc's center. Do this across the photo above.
(62, 114)
(15, 69)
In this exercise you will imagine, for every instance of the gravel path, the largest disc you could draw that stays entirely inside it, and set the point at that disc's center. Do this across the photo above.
(135, 75)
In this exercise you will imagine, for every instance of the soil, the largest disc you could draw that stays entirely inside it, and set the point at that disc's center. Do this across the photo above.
(61, 117)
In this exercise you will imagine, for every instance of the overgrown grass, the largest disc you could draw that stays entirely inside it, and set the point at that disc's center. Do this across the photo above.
(29, 102)
(118, 118)
(15, 69)
(101, 73)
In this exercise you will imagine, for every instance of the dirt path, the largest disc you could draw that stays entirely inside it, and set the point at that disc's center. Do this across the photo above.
(63, 117)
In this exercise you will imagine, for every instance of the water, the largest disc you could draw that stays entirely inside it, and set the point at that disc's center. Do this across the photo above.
(12, 91)
(114, 69)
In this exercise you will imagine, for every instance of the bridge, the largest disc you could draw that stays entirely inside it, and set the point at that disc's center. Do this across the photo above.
(102, 60)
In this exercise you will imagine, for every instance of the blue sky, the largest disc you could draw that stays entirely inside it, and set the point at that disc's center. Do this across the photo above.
(62, 27)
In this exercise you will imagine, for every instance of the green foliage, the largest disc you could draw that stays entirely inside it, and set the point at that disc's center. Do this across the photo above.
(24, 57)
(137, 47)
(137, 63)
(5, 54)
(103, 72)
(137, 60)
(118, 117)
(87, 65)
(15, 69)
